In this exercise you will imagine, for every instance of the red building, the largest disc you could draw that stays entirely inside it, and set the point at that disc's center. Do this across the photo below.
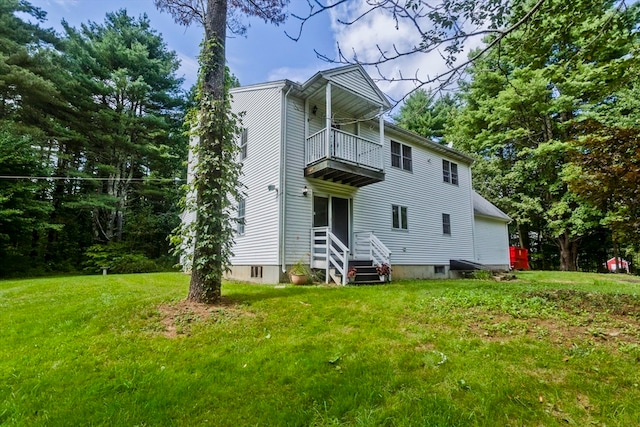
(624, 265)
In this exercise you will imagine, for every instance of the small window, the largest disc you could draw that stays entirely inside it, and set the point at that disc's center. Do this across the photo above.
(241, 216)
(438, 269)
(256, 271)
(244, 137)
(401, 156)
(450, 172)
(446, 224)
(399, 217)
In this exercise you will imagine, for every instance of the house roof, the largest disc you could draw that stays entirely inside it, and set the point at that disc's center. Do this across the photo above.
(483, 207)
(351, 78)
(353, 90)
(419, 139)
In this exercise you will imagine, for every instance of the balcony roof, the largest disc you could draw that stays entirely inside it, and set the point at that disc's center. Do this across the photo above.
(352, 91)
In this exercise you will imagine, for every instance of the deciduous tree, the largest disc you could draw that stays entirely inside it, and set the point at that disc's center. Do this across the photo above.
(522, 107)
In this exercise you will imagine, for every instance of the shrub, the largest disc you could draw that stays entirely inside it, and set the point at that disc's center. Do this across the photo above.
(118, 259)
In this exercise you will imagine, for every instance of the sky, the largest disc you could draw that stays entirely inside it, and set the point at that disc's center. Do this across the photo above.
(266, 53)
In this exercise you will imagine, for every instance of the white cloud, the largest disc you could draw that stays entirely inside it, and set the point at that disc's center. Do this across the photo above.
(66, 3)
(188, 69)
(377, 34)
(295, 74)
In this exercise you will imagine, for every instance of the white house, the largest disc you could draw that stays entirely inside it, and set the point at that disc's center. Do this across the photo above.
(324, 173)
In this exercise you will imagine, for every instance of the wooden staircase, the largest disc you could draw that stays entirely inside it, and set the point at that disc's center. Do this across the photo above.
(366, 274)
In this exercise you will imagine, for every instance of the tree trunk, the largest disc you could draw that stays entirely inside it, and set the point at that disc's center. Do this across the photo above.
(207, 270)
(568, 253)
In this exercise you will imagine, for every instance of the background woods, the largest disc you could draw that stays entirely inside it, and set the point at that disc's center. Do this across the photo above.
(94, 116)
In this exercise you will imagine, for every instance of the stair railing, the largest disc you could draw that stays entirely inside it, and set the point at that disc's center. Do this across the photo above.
(329, 252)
(368, 246)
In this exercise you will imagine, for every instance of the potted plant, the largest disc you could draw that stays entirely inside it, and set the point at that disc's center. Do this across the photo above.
(299, 273)
(351, 274)
(383, 270)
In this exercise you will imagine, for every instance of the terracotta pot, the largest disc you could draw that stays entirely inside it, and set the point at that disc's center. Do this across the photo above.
(298, 279)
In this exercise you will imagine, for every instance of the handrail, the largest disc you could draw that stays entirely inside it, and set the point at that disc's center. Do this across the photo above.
(327, 249)
(345, 147)
(368, 246)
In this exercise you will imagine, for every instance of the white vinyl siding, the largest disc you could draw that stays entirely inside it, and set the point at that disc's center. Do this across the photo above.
(299, 213)
(353, 81)
(426, 197)
(259, 244)
(491, 241)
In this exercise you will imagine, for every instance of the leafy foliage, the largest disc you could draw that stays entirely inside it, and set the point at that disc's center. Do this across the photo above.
(522, 109)
(99, 109)
(425, 115)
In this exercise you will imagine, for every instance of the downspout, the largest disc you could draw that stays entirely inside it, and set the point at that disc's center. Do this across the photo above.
(283, 183)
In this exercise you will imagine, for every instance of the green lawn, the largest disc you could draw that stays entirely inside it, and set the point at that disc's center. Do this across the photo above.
(547, 349)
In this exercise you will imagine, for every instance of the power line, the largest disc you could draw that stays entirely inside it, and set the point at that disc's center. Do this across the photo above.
(79, 178)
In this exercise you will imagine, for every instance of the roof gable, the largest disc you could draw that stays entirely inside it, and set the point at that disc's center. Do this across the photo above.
(483, 207)
(354, 78)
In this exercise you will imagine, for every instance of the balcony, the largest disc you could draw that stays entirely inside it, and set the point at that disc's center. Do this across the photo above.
(344, 158)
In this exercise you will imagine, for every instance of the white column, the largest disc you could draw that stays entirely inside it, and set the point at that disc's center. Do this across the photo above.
(328, 114)
(381, 126)
(381, 120)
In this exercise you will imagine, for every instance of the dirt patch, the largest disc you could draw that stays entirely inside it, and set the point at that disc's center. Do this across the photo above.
(576, 302)
(178, 318)
(605, 319)
(556, 331)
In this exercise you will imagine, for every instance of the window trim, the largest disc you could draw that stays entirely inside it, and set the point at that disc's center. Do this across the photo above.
(400, 214)
(244, 139)
(450, 172)
(446, 224)
(241, 218)
(404, 161)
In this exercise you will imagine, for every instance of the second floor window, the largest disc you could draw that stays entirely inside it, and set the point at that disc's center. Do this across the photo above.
(450, 172)
(401, 156)
(244, 137)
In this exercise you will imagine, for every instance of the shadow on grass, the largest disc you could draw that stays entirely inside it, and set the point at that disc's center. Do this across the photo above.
(247, 294)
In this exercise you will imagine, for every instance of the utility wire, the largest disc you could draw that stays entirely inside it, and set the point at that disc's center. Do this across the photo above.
(59, 178)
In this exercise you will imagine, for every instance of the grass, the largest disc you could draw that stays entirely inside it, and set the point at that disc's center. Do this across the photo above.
(547, 349)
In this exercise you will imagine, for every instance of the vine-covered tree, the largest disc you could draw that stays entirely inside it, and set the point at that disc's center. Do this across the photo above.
(216, 171)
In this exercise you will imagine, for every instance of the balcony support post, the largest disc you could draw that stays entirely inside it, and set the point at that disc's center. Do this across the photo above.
(381, 126)
(328, 118)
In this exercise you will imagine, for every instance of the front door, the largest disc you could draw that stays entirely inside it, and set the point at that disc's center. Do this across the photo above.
(332, 212)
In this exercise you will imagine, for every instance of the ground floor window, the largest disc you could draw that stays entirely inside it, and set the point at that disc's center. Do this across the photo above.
(399, 217)
(446, 224)
(241, 216)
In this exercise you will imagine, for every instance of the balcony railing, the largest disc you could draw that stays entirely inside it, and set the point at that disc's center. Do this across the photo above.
(343, 147)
